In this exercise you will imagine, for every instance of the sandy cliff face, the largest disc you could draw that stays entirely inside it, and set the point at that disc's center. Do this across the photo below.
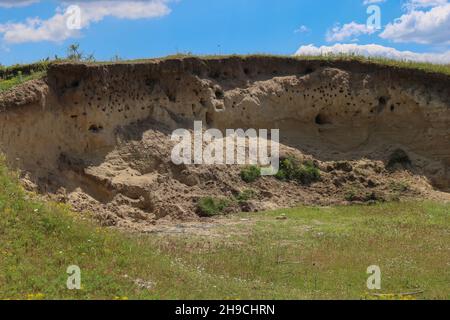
(105, 129)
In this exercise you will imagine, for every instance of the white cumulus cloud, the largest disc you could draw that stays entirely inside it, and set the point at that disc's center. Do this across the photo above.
(416, 4)
(55, 28)
(374, 50)
(423, 27)
(367, 2)
(302, 29)
(16, 3)
(348, 31)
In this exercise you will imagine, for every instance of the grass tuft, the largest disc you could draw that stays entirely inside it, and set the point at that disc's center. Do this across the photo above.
(291, 169)
(250, 174)
(209, 206)
(18, 79)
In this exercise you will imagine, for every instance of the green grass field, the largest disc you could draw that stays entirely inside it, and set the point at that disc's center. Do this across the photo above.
(311, 253)
(424, 66)
(41, 67)
(16, 80)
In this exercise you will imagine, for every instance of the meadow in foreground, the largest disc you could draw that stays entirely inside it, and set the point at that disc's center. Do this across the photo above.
(301, 253)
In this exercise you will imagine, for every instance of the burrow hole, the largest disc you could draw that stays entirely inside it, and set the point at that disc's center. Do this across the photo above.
(95, 128)
(322, 119)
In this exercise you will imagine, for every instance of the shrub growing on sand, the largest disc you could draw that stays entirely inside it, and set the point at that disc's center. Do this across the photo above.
(291, 169)
(251, 174)
(209, 206)
(245, 195)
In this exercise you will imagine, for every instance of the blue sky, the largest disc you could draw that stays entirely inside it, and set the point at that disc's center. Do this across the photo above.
(410, 29)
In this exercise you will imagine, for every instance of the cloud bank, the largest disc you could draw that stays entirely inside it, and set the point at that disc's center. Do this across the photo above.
(348, 31)
(16, 3)
(55, 28)
(423, 27)
(374, 50)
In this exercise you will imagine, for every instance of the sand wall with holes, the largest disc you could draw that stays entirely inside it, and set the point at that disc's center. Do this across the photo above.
(333, 110)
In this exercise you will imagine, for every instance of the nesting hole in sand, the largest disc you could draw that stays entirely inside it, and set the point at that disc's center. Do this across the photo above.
(208, 119)
(322, 120)
(309, 70)
(219, 94)
(399, 158)
(95, 128)
(382, 102)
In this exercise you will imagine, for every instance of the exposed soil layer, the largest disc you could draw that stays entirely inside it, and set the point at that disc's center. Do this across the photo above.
(98, 136)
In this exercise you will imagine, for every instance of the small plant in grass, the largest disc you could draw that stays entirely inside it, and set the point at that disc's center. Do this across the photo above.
(209, 206)
(373, 197)
(291, 169)
(354, 193)
(251, 173)
(309, 173)
(351, 195)
(20, 78)
(399, 186)
(245, 196)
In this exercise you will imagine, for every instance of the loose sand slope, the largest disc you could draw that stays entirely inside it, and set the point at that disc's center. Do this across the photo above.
(98, 136)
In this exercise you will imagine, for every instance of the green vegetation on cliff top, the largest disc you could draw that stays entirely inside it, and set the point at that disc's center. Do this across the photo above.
(13, 75)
